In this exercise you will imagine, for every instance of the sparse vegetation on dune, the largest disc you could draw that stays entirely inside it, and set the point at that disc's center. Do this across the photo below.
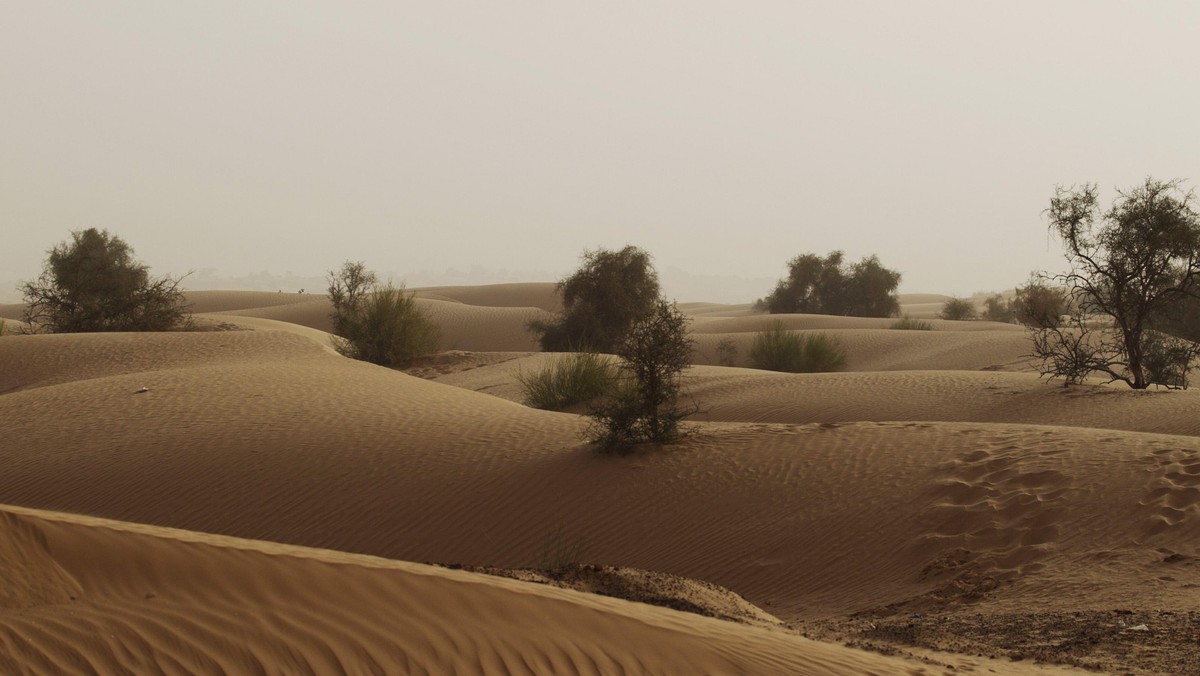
(381, 324)
(602, 300)
(1132, 263)
(907, 323)
(92, 283)
(778, 349)
(643, 405)
(958, 309)
(570, 379)
(828, 286)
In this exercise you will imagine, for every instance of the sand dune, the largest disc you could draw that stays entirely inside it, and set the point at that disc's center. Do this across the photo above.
(820, 498)
(104, 596)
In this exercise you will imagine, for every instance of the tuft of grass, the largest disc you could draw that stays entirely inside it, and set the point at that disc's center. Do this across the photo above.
(907, 323)
(560, 551)
(778, 349)
(571, 379)
(1, 327)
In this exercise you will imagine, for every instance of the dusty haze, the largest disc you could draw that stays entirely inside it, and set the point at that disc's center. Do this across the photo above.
(492, 142)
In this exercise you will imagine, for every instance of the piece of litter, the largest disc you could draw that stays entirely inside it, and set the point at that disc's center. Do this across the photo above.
(142, 389)
(1138, 627)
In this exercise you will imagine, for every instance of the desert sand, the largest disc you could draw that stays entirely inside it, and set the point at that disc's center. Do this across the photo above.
(266, 505)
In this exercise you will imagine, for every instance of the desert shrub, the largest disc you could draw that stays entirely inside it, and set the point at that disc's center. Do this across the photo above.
(384, 326)
(93, 283)
(816, 285)
(778, 349)
(1167, 359)
(568, 380)
(348, 288)
(1039, 306)
(996, 309)
(602, 300)
(958, 309)
(907, 323)
(1131, 263)
(643, 406)
(727, 352)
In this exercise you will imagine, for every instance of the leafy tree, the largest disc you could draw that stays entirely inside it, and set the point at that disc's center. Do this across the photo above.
(958, 309)
(602, 300)
(1130, 263)
(816, 285)
(92, 283)
(644, 406)
(381, 324)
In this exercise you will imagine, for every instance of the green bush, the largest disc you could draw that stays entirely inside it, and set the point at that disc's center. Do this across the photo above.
(907, 323)
(387, 328)
(568, 380)
(778, 349)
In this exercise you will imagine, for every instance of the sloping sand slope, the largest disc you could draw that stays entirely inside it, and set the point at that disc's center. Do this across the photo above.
(268, 436)
(89, 595)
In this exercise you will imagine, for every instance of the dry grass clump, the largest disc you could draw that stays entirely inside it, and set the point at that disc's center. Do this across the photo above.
(570, 379)
(778, 349)
(907, 323)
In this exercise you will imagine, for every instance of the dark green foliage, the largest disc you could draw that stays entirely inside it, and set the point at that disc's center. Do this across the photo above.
(958, 309)
(778, 349)
(816, 285)
(1131, 263)
(569, 380)
(602, 300)
(379, 324)
(907, 323)
(643, 407)
(92, 283)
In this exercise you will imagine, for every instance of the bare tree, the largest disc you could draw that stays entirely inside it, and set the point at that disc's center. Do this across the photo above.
(1129, 264)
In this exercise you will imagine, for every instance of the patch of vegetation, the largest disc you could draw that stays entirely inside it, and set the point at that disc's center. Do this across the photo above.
(727, 352)
(958, 309)
(92, 283)
(560, 551)
(996, 309)
(381, 324)
(816, 285)
(568, 380)
(1131, 263)
(907, 323)
(644, 407)
(602, 300)
(778, 349)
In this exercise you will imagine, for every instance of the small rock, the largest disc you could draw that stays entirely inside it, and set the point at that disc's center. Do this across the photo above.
(149, 595)
(142, 389)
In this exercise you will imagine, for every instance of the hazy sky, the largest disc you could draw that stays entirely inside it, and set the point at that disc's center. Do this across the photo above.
(723, 137)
